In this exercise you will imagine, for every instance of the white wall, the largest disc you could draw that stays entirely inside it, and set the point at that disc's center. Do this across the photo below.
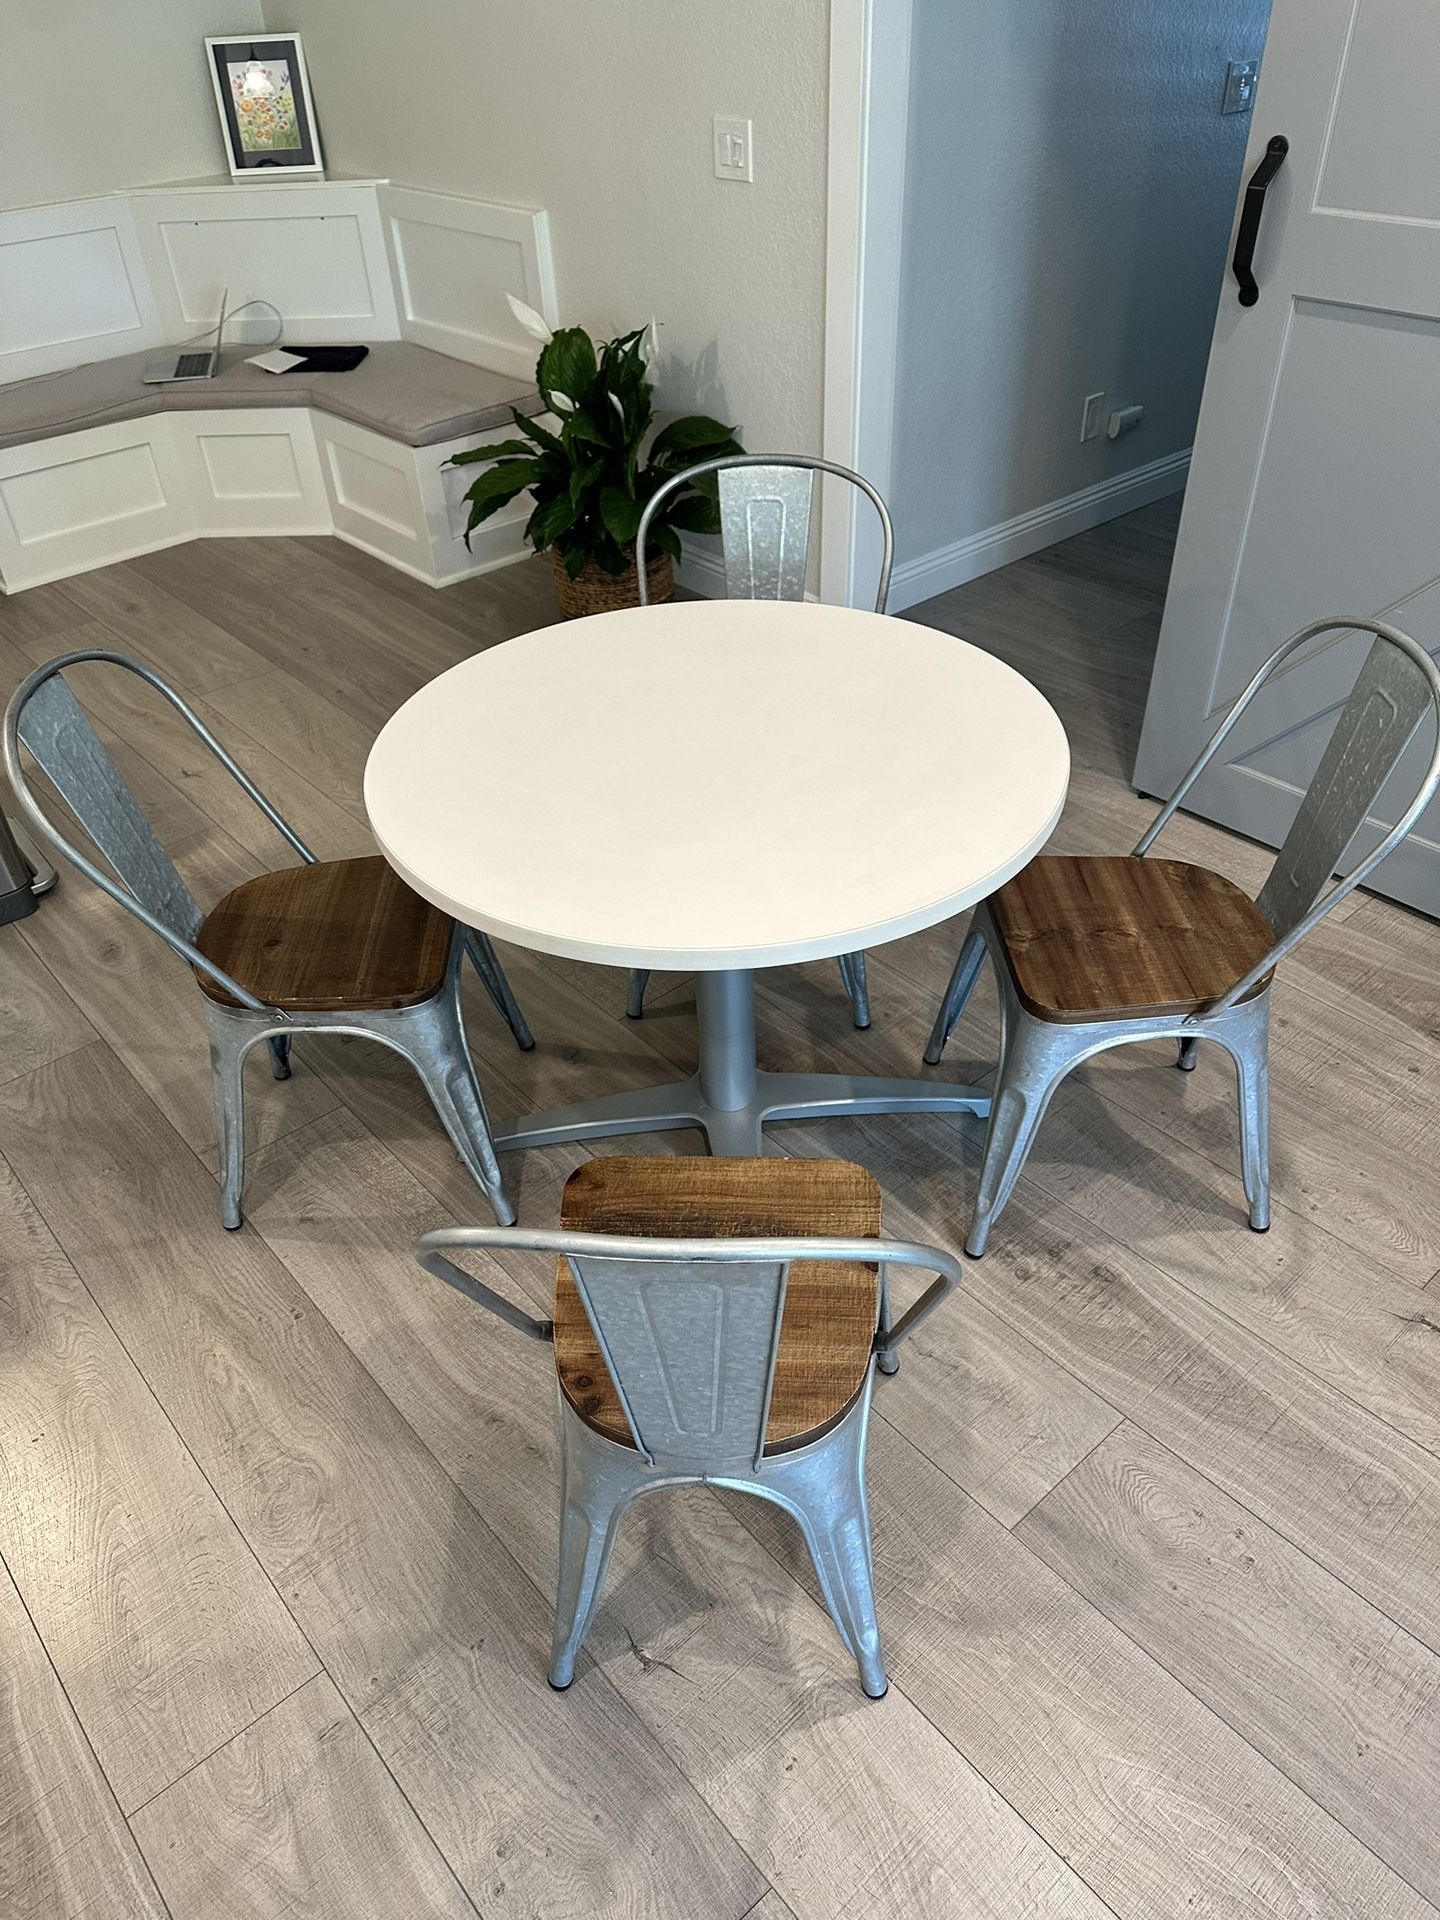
(96, 95)
(600, 111)
(1070, 185)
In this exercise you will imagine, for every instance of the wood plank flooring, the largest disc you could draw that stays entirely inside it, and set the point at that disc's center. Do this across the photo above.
(1156, 1499)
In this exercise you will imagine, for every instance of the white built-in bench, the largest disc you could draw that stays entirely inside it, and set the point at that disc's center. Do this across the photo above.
(96, 467)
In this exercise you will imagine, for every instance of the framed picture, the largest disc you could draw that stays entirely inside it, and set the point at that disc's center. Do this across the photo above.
(266, 112)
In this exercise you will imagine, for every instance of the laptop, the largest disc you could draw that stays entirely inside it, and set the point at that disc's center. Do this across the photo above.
(202, 364)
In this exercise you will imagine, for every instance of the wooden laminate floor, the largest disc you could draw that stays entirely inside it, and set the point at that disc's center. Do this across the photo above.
(1156, 1500)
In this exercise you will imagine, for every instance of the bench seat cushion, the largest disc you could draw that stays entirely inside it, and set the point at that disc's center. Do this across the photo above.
(405, 392)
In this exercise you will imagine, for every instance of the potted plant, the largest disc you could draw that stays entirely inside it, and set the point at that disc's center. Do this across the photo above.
(590, 479)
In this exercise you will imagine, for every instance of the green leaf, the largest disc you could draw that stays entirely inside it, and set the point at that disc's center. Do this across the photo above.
(540, 435)
(696, 434)
(548, 522)
(581, 480)
(494, 488)
(693, 513)
(582, 427)
(500, 450)
(500, 483)
(621, 515)
(667, 540)
(567, 364)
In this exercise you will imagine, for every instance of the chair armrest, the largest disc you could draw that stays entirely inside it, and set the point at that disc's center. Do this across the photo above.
(947, 1271)
(435, 1262)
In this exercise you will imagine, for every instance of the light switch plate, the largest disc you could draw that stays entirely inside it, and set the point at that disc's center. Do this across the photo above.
(734, 149)
(1241, 79)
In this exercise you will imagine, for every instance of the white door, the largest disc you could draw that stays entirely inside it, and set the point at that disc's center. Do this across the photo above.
(1315, 487)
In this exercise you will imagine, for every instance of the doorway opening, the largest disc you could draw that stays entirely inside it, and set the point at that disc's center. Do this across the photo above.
(1043, 198)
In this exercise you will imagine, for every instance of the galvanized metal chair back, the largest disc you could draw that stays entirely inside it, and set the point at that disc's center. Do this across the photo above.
(1389, 699)
(1395, 688)
(691, 1349)
(766, 516)
(44, 714)
(66, 747)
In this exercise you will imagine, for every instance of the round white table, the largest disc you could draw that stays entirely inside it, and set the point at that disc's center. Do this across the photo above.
(719, 785)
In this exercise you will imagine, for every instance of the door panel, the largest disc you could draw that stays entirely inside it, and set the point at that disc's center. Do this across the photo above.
(1315, 488)
(1388, 165)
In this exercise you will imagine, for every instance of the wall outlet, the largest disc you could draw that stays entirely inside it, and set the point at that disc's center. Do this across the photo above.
(1090, 417)
(1241, 79)
(734, 149)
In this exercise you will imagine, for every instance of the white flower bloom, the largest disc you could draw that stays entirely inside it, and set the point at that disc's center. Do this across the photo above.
(561, 402)
(650, 342)
(618, 405)
(530, 320)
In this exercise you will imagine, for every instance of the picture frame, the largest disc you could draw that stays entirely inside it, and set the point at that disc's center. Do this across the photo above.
(262, 94)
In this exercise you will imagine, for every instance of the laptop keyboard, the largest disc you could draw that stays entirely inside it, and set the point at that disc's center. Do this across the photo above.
(190, 366)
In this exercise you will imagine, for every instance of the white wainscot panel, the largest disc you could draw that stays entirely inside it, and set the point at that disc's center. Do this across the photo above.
(88, 499)
(374, 497)
(253, 471)
(316, 253)
(73, 287)
(455, 260)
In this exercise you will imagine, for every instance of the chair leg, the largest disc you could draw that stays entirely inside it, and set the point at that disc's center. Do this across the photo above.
(635, 994)
(887, 1361)
(957, 994)
(486, 963)
(590, 1512)
(1185, 1058)
(227, 1073)
(835, 1521)
(280, 1056)
(1031, 1067)
(1252, 1071)
(441, 1057)
(852, 972)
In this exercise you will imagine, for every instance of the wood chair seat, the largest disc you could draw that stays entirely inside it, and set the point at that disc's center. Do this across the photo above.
(830, 1307)
(1106, 938)
(339, 936)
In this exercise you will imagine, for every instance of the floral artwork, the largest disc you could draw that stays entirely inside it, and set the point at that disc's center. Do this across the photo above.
(262, 92)
(264, 106)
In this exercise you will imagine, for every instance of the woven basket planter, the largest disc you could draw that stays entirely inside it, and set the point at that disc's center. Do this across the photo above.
(595, 591)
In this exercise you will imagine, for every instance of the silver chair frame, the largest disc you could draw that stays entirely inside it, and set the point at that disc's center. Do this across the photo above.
(45, 716)
(1376, 724)
(696, 1389)
(768, 562)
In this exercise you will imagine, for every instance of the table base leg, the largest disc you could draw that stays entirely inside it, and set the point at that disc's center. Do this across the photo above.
(738, 1130)
(728, 1100)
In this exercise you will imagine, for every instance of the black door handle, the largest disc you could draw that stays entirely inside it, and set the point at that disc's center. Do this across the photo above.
(1244, 262)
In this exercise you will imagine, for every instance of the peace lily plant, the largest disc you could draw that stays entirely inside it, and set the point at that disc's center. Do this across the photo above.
(591, 479)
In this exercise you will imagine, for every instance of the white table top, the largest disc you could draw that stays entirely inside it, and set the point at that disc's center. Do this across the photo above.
(717, 783)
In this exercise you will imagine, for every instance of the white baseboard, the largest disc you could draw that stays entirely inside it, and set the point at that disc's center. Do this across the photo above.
(701, 569)
(932, 573)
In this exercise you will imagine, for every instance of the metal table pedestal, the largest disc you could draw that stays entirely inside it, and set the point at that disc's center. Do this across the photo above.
(25, 873)
(729, 1099)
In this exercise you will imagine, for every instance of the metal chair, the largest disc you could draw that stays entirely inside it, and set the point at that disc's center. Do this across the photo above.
(744, 1362)
(1092, 953)
(328, 947)
(766, 509)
